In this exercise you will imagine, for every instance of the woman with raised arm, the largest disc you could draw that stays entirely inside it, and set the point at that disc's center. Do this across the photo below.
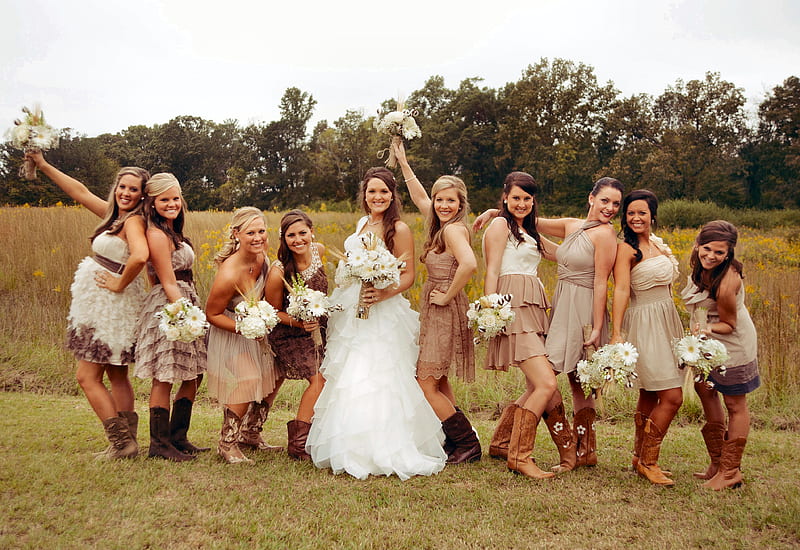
(164, 361)
(241, 375)
(445, 339)
(716, 284)
(644, 310)
(372, 417)
(107, 294)
(297, 357)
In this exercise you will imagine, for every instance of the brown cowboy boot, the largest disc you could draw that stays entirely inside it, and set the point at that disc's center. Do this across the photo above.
(133, 427)
(713, 435)
(160, 446)
(585, 437)
(228, 447)
(647, 466)
(298, 433)
(118, 434)
(467, 446)
(523, 437)
(639, 421)
(498, 447)
(179, 426)
(252, 424)
(729, 475)
(562, 436)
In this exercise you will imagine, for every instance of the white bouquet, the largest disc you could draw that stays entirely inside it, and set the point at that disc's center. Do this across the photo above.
(611, 363)
(702, 353)
(399, 122)
(254, 318)
(181, 320)
(490, 314)
(308, 305)
(32, 133)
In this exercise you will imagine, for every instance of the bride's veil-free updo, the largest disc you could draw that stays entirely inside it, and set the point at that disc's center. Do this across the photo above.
(240, 220)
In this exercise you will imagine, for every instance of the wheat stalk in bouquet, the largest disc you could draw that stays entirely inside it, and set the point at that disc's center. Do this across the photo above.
(32, 133)
(399, 122)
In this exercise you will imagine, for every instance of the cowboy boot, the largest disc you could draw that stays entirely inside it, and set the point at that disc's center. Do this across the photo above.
(639, 420)
(729, 475)
(467, 446)
(498, 447)
(298, 433)
(520, 447)
(562, 436)
(179, 425)
(228, 447)
(252, 424)
(133, 424)
(119, 436)
(585, 436)
(713, 435)
(160, 446)
(647, 465)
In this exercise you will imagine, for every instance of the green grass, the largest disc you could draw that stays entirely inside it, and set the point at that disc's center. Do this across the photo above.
(54, 494)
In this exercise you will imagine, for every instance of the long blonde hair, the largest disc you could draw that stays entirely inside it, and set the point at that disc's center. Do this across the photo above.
(435, 238)
(241, 218)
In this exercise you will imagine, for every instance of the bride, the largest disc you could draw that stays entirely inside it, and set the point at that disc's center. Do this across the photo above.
(372, 417)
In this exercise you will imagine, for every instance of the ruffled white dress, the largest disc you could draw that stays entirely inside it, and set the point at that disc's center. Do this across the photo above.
(372, 417)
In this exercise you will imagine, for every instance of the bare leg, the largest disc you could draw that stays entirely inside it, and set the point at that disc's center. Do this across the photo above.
(541, 383)
(305, 411)
(669, 401)
(440, 403)
(159, 394)
(738, 416)
(447, 390)
(579, 399)
(121, 388)
(188, 389)
(647, 402)
(90, 378)
(709, 398)
(239, 408)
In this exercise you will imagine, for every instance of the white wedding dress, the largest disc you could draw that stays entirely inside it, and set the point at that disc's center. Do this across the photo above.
(372, 417)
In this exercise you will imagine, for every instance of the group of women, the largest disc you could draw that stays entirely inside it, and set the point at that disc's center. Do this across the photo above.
(379, 401)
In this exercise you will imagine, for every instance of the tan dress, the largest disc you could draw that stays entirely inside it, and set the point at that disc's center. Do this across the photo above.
(518, 276)
(444, 336)
(573, 301)
(240, 370)
(652, 323)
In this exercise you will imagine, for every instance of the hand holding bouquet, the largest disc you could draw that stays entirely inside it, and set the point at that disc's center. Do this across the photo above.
(611, 363)
(399, 122)
(181, 320)
(308, 305)
(255, 318)
(32, 133)
(490, 314)
(701, 353)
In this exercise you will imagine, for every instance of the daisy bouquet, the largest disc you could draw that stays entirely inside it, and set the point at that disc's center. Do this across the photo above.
(181, 320)
(372, 265)
(610, 363)
(308, 305)
(399, 122)
(701, 353)
(490, 314)
(254, 318)
(31, 133)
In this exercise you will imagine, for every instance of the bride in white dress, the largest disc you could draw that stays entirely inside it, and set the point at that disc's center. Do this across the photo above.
(372, 417)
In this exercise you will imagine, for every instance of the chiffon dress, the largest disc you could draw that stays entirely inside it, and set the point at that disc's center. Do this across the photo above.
(372, 417)
(573, 301)
(101, 323)
(525, 337)
(652, 323)
(240, 370)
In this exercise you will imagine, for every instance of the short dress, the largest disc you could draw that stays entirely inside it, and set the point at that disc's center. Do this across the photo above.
(525, 338)
(101, 323)
(573, 301)
(444, 336)
(296, 356)
(240, 370)
(157, 357)
(741, 373)
(652, 322)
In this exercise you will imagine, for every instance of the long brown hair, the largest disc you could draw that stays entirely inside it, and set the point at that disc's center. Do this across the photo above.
(156, 185)
(718, 230)
(524, 181)
(112, 221)
(435, 238)
(285, 255)
(392, 214)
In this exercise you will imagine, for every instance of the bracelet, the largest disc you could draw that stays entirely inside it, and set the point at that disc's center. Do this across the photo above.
(412, 178)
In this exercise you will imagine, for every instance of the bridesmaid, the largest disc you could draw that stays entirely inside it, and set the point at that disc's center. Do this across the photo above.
(643, 308)
(716, 283)
(444, 337)
(107, 294)
(241, 375)
(297, 357)
(164, 361)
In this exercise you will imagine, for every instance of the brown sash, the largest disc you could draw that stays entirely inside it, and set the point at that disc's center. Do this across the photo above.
(110, 265)
(184, 275)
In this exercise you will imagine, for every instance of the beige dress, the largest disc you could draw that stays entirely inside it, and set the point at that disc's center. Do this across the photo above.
(652, 323)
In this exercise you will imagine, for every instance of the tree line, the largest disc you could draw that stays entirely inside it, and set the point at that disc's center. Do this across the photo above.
(694, 141)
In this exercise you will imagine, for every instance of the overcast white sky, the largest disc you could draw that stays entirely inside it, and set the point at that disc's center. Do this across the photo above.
(102, 65)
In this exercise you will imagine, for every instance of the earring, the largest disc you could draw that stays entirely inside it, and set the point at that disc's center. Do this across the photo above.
(505, 202)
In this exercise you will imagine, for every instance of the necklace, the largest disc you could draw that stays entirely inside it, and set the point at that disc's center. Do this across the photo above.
(370, 222)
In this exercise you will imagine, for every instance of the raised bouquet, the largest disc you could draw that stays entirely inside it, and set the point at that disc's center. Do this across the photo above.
(399, 122)
(702, 354)
(32, 133)
(254, 318)
(181, 320)
(308, 305)
(610, 363)
(372, 265)
(490, 314)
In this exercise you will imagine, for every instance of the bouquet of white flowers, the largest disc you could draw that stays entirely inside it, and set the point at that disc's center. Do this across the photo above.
(181, 320)
(611, 363)
(32, 133)
(308, 305)
(399, 122)
(371, 265)
(701, 353)
(490, 314)
(254, 318)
